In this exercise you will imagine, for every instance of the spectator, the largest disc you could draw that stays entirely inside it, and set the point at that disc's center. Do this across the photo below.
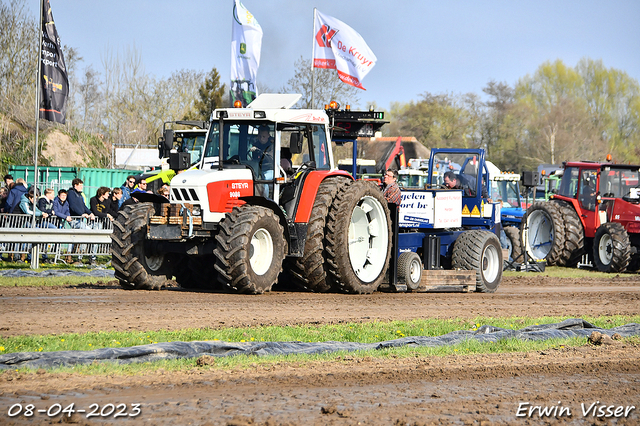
(114, 201)
(8, 180)
(4, 193)
(26, 206)
(128, 186)
(164, 191)
(391, 190)
(75, 198)
(77, 207)
(142, 187)
(61, 207)
(99, 203)
(16, 193)
(45, 203)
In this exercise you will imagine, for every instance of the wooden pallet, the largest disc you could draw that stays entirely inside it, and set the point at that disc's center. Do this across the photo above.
(440, 281)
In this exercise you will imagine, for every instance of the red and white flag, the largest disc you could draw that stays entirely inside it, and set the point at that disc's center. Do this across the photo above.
(337, 46)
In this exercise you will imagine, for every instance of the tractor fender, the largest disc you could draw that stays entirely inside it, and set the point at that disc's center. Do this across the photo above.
(310, 190)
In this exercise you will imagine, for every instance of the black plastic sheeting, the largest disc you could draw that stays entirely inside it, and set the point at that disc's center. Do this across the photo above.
(174, 350)
(18, 273)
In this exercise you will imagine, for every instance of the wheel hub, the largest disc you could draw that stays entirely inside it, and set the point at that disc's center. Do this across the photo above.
(605, 249)
(368, 239)
(261, 251)
(490, 263)
(540, 235)
(154, 262)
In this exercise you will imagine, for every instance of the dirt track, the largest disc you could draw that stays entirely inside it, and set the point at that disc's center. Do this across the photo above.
(482, 389)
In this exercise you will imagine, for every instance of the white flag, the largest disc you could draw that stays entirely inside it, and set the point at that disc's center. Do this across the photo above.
(336, 45)
(246, 42)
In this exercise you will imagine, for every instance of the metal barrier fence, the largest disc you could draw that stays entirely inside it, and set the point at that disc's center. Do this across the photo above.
(53, 238)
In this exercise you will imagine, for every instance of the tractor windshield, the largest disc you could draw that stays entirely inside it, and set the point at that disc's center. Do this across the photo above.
(618, 183)
(507, 192)
(249, 143)
(464, 167)
(194, 145)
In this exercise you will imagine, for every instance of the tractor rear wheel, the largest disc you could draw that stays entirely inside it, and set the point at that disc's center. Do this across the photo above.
(479, 251)
(514, 245)
(611, 248)
(410, 269)
(543, 233)
(250, 249)
(358, 238)
(136, 266)
(309, 270)
(573, 235)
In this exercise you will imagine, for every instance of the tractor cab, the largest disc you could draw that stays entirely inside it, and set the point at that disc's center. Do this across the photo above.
(601, 193)
(470, 170)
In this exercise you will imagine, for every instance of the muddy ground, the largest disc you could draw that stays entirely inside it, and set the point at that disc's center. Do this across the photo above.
(480, 389)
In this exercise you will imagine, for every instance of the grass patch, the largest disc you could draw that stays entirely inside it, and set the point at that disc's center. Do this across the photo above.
(244, 362)
(560, 272)
(51, 281)
(351, 332)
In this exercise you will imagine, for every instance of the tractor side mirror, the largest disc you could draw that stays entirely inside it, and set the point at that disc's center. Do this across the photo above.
(295, 143)
(168, 139)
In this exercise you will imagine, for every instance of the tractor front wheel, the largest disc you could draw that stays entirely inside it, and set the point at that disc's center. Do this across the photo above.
(136, 266)
(250, 249)
(410, 269)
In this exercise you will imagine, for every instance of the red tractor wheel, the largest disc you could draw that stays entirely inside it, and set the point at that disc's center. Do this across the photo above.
(611, 248)
(543, 233)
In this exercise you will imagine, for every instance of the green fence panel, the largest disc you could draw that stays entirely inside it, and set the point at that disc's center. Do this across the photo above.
(48, 177)
(111, 178)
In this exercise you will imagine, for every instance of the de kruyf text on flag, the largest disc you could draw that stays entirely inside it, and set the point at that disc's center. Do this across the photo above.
(54, 83)
(338, 46)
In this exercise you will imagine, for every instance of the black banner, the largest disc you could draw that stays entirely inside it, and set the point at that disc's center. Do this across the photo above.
(54, 83)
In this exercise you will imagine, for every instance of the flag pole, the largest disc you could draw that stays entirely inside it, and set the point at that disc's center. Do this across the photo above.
(35, 157)
(313, 69)
(34, 249)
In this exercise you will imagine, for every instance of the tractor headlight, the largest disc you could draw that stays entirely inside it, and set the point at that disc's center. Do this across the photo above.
(196, 211)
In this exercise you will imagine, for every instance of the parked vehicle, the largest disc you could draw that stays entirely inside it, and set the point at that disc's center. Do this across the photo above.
(596, 211)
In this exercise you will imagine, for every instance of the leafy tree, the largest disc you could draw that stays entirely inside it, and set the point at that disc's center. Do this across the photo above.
(327, 87)
(580, 113)
(442, 120)
(210, 94)
(553, 85)
(612, 99)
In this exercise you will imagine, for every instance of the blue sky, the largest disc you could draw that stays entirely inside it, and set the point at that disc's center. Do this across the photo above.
(422, 46)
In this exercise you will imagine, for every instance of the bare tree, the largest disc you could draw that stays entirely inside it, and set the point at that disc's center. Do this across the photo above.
(89, 94)
(18, 58)
(328, 86)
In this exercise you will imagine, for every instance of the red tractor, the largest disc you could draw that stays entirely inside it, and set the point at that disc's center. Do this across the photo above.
(596, 211)
(265, 194)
